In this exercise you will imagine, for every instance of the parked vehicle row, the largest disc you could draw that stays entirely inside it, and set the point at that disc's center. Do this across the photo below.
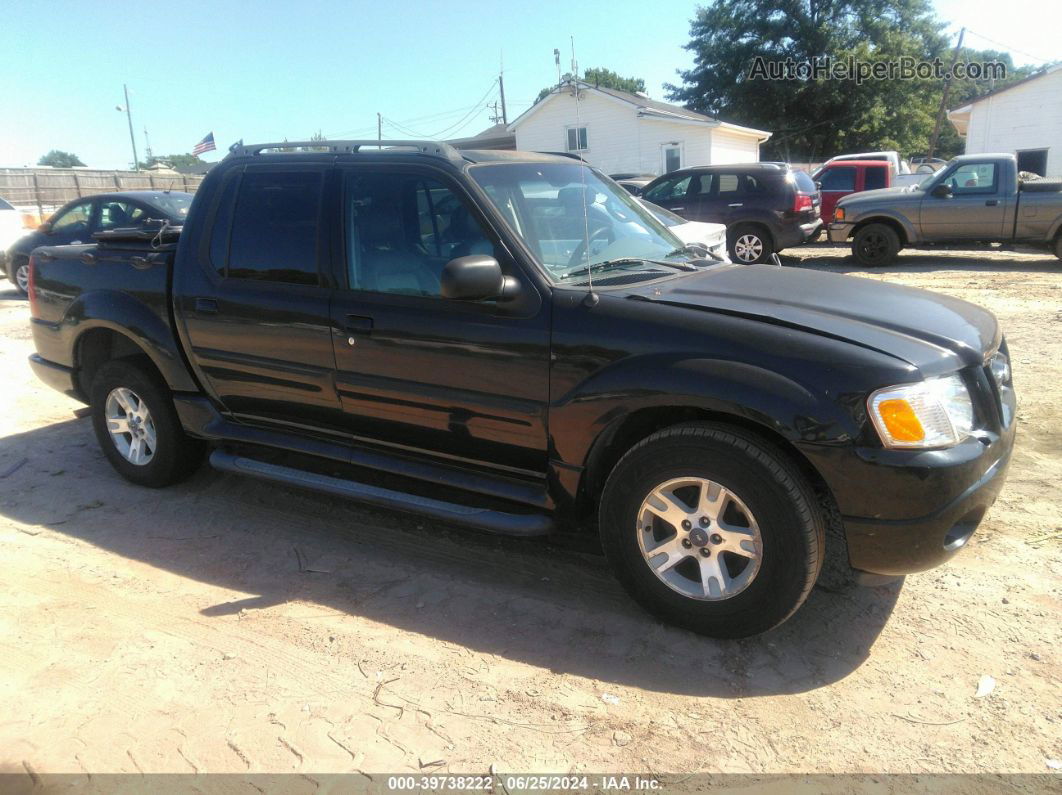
(510, 341)
(974, 199)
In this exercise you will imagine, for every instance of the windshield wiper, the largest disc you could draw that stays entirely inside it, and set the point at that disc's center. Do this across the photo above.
(598, 266)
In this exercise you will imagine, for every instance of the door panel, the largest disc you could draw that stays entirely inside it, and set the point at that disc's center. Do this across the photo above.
(439, 377)
(257, 311)
(974, 211)
(837, 182)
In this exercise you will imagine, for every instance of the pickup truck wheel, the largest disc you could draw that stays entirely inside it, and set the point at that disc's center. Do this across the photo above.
(138, 429)
(1058, 246)
(712, 529)
(749, 244)
(875, 245)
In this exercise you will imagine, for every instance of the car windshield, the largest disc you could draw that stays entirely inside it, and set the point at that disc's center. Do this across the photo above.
(929, 178)
(174, 205)
(577, 223)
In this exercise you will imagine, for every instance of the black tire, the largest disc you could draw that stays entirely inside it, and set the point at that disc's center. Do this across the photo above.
(1058, 246)
(876, 245)
(13, 267)
(175, 456)
(790, 519)
(748, 244)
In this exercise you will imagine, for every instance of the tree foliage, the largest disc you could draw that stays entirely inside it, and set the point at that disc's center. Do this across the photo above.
(603, 78)
(816, 117)
(60, 159)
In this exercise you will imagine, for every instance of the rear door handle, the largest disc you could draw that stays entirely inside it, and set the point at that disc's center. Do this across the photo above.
(736, 204)
(676, 209)
(206, 306)
(991, 202)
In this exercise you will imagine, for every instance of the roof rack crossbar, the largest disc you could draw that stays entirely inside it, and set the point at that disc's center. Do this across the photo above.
(435, 148)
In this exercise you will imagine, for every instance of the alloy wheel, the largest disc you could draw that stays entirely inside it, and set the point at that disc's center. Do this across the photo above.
(699, 538)
(748, 248)
(131, 426)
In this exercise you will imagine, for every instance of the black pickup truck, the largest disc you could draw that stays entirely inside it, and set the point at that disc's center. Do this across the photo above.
(509, 341)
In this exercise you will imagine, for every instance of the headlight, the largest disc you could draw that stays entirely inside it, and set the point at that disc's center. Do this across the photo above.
(1000, 369)
(838, 214)
(934, 413)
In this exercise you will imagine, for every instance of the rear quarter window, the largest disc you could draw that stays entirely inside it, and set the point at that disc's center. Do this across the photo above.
(804, 182)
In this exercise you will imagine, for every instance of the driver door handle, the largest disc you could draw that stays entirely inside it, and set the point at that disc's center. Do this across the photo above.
(676, 209)
(736, 204)
(991, 202)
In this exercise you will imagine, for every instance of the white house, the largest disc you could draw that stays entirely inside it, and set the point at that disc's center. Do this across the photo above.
(621, 132)
(1024, 118)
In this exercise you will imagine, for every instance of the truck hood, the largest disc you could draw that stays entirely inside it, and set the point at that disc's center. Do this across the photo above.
(933, 332)
(897, 195)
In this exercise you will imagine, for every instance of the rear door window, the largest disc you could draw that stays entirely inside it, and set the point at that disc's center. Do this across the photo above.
(874, 178)
(841, 179)
(275, 227)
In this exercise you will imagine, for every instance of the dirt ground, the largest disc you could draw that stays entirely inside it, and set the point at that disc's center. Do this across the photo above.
(227, 625)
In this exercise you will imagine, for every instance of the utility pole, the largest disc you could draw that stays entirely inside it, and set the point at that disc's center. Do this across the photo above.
(129, 118)
(944, 96)
(379, 128)
(501, 89)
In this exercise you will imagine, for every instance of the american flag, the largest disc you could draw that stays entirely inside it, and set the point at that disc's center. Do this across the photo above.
(206, 145)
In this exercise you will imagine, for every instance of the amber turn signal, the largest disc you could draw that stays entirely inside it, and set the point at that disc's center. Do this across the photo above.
(901, 421)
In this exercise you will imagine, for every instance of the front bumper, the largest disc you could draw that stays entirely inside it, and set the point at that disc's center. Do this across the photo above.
(840, 231)
(908, 511)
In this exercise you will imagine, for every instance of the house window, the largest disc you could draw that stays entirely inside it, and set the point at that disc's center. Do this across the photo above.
(577, 139)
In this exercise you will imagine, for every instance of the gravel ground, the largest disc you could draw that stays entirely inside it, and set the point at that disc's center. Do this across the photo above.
(226, 625)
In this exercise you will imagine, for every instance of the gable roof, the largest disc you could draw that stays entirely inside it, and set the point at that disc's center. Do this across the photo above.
(644, 107)
(494, 137)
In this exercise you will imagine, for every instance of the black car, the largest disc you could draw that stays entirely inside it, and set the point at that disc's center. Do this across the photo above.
(766, 206)
(76, 222)
(511, 342)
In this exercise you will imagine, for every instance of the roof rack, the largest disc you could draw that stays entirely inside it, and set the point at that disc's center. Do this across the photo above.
(432, 148)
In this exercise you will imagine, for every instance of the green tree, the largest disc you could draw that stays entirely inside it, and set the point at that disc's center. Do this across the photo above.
(815, 116)
(603, 78)
(60, 159)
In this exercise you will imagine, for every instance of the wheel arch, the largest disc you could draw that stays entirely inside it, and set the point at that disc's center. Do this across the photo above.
(898, 226)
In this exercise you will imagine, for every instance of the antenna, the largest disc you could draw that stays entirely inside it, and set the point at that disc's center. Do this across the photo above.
(590, 299)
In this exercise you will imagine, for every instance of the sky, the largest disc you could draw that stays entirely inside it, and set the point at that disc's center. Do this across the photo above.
(266, 71)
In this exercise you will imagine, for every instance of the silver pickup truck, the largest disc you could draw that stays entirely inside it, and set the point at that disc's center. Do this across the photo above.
(973, 199)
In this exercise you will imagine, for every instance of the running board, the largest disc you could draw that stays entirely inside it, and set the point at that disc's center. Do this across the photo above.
(509, 524)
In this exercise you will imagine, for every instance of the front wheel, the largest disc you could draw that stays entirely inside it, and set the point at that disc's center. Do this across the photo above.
(875, 245)
(138, 429)
(712, 529)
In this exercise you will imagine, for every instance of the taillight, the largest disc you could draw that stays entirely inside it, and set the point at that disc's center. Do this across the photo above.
(31, 285)
(802, 203)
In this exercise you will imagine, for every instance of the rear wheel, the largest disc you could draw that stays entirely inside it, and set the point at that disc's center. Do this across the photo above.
(749, 244)
(138, 429)
(875, 245)
(711, 529)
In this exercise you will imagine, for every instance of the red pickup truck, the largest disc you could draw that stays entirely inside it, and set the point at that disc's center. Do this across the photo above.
(841, 177)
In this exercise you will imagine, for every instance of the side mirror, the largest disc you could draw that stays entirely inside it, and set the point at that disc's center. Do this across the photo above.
(942, 191)
(45, 228)
(475, 278)
(818, 186)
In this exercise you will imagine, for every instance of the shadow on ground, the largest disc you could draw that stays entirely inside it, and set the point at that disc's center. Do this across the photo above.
(550, 605)
(839, 258)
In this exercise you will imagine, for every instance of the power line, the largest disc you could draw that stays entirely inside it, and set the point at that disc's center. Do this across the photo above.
(468, 110)
(1007, 46)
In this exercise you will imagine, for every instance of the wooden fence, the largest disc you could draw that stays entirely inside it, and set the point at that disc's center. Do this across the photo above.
(46, 189)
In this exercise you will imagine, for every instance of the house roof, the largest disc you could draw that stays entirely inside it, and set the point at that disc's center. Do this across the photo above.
(646, 108)
(494, 137)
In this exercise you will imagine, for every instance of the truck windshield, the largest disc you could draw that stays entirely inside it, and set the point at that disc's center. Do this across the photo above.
(577, 223)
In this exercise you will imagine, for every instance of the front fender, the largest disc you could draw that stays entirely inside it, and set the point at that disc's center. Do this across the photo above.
(722, 387)
(910, 229)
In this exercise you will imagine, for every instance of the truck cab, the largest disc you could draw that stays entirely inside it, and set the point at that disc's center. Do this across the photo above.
(840, 178)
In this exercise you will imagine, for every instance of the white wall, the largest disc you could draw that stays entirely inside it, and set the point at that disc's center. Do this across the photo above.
(620, 141)
(1026, 117)
(731, 147)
